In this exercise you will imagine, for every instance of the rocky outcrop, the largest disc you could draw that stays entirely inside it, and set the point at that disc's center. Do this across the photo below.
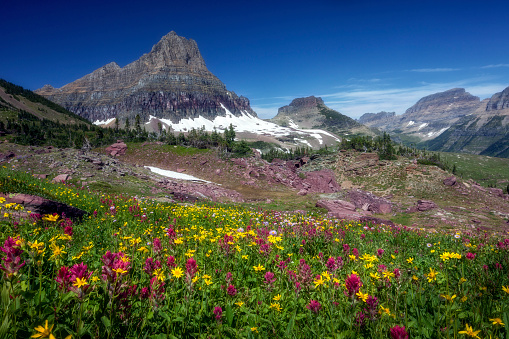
(117, 149)
(450, 181)
(499, 101)
(422, 206)
(170, 82)
(369, 202)
(377, 119)
(341, 209)
(450, 104)
(40, 205)
(193, 192)
(311, 112)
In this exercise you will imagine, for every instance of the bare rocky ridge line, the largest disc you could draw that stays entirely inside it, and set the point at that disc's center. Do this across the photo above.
(170, 82)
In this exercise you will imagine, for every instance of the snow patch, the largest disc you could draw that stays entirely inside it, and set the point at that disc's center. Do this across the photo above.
(422, 126)
(410, 123)
(243, 123)
(105, 122)
(175, 175)
(437, 133)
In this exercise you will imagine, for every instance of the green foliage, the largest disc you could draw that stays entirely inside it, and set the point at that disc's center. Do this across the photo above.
(126, 252)
(14, 90)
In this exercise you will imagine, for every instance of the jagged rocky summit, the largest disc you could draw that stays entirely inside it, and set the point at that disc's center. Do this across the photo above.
(427, 118)
(452, 121)
(170, 82)
(311, 112)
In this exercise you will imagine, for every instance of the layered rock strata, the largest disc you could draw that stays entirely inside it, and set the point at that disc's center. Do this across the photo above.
(170, 82)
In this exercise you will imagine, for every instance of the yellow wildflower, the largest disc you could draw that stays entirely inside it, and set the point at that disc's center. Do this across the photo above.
(470, 332)
(80, 282)
(259, 268)
(497, 321)
(44, 331)
(362, 296)
(276, 306)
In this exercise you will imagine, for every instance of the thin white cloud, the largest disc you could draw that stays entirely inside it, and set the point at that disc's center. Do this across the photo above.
(356, 102)
(431, 70)
(495, 66)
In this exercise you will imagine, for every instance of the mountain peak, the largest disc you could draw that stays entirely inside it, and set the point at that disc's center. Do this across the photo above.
(170, 82)
(307, 102)
(499, 101)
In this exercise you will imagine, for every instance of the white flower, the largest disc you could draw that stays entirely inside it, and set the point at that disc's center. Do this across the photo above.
(429, 245)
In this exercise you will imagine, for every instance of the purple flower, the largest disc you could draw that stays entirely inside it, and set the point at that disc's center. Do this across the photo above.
(470, 256)
(218, 312)
(157, 245)
(353, 284)
(399, 332)
(231, 290)
(314, 306)
(12, 260)
(170, 262)
(270, 278)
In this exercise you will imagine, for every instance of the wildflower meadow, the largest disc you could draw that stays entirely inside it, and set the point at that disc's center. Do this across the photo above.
(136, 268)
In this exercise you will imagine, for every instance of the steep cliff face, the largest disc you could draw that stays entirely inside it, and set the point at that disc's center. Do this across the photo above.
(170, 82)
(448, 105)
(485, 131)
(428, 118)
(499, 101)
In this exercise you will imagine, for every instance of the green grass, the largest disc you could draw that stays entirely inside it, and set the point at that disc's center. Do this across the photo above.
(485, 170)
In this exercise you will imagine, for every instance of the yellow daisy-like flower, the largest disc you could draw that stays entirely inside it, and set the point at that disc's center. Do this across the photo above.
(362, 296)
(95, 279)
(44, 332)
(80, 282)
(384, 310)
(259, 268)
(410, 260)
(254, 329)
(464, 299)
(57, 251)
(119, 271)
(277, 297)
(448, 297)
(245, 256)
(470, 332)
(177, 272)
(159, 273)
(318, 282)
(178, 241)
(388, 275)
(497, 321)
(239, 303)
(208, 282)
(432, 275)
(505, 289)
(374, 276)
(276, 306)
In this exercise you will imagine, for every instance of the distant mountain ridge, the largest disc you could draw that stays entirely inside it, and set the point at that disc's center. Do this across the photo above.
(312, 113)
(170, 82)
(452, 121)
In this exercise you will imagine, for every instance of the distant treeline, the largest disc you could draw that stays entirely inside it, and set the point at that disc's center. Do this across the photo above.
(28, 129)
(388, 150)
(15, 90)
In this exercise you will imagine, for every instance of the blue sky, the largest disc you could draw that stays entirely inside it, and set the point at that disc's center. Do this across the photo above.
(359, 56)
